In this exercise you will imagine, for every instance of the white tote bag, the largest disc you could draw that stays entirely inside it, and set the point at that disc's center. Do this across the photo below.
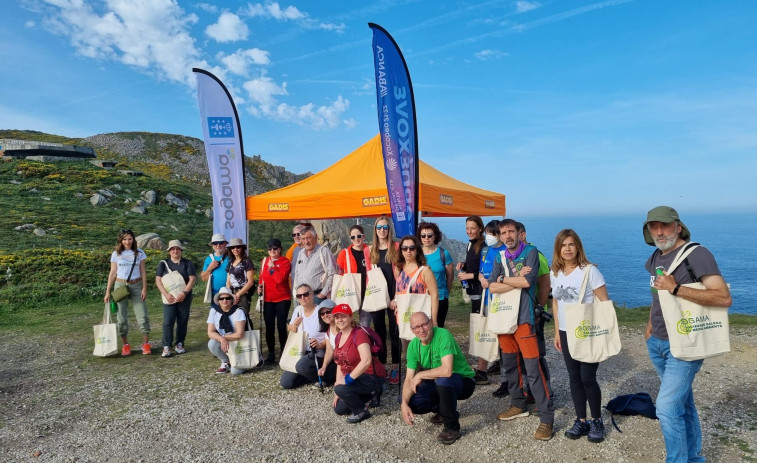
(695, 331)
(408, 304)
(591, 328)
(293, 351)
(209, 288)
(173, 282)
(345, 289)
(376, 291)
(106, 336)
(483, 343)
(504, 307)
(245, 353)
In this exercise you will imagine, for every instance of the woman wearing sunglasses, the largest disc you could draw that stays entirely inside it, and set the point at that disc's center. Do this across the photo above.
(383, 253)
(127, 268)
(214, 267)
(305, 318)
(277, 297)
(226, 323)
(409, 260)
(240, 275)
(356, 259)
(440, 262)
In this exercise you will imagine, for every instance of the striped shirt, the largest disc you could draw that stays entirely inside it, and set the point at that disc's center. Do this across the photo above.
(316, 270)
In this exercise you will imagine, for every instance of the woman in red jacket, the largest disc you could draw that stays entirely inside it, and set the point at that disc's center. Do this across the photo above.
(277, 296)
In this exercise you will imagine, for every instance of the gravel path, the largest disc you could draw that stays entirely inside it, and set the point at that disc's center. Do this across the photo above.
(58, 400)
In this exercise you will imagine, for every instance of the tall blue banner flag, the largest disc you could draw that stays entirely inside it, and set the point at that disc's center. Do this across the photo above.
(399, 136)
(223, 149)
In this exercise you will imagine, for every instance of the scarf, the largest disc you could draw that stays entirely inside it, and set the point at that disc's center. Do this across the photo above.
(514, 255)
(225, 322)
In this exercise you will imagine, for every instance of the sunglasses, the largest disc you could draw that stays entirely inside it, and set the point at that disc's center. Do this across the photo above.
(295, 235)
(325, 313)
(226, 298)
(356, 237)
(236, 247)
(273, 248)
(127, 231)
(303, 295)
(408, 248)
(218, 243)
(382, 227)
(427, 235)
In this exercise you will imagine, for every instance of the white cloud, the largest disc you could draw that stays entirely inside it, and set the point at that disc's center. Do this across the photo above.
(485, 55)
(151, 35)
(229, 28)
(29, 24)
(207, 7)
(522, 6)
(239, 62)
(272, 10)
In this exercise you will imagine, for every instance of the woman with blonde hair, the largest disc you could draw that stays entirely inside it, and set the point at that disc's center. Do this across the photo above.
(569, 264)
(383, 253)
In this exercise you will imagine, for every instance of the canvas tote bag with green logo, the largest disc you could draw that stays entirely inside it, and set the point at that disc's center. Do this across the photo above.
(173, 282)
(695, 331)
(293, 351)
(504, 307)
(106, 336)
(245, 353)
(483, 343)
(345, 289)
(591, 328)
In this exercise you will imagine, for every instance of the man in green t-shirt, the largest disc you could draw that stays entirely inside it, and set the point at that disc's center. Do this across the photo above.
(437, 377)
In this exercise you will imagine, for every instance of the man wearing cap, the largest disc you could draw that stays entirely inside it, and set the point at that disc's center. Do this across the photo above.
(315, 265)
(438, 375)
(215, 265)
(176, 309)
(676, 410)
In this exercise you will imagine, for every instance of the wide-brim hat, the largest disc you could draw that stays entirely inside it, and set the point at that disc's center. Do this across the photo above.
(236, 242)
(664, 214)
(218, 237)
(175, 244)
(221, 291)
(343, 309)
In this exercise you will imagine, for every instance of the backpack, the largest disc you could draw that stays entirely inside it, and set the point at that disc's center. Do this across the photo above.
(631, 404)
(377, 345)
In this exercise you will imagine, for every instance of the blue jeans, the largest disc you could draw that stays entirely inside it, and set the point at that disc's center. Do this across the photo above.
(441, 395)
(675, 403)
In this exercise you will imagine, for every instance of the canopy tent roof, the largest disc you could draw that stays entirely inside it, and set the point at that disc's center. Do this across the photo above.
(355, 186)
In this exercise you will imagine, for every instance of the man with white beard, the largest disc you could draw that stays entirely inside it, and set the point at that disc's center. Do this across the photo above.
(675, 401)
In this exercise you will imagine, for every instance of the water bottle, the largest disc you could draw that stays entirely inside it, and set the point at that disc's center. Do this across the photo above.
(658, 271)
(113, 306)
(465, 284)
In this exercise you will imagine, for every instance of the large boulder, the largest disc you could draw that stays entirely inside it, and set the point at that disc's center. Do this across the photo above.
(150, 241)
(98, 200)
(176, 201)
(150, 196)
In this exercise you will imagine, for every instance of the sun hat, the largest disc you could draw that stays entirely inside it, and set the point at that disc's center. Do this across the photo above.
(175, 244)
(274, 243)
(343, 309)
(664, 214)
(221, 291)
(218, 237)
(327, 304)
(236, 242)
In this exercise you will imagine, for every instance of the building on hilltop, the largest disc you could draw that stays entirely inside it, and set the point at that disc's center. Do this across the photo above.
(44, 151)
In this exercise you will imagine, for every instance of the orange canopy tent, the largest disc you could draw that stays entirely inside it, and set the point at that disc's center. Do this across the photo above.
(356, 187)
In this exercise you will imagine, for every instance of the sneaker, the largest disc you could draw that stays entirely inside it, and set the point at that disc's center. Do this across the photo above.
(512, 413)
(224, 368)
(270, 360)
(494, 368)
(481, 378)
(146, 349)
(166, 352)
(596, 430)
(357, 418)
(580, 428)
(180, 348)
(126, 350)
(544, 431)
(448, 436)
(502, 391)
(394, 377)
(436, 419)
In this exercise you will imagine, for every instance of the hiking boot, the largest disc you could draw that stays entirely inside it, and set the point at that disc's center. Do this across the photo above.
(394, 377)
(224, 368)
(357, 418)
(481, 378)
(376, 398)
(544, 431)
(512, 413)
(580, 428)
(180, 348)
(493, 369)
(166, 352)
(125, 350)
(270, 360)
(436, 419)
(146, 349)
(596, 430)
(448, 436)
(502, 391)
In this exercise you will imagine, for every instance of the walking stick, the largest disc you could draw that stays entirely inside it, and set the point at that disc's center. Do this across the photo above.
(317, 368)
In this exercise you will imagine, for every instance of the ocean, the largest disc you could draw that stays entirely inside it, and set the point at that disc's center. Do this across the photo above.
(615, 244)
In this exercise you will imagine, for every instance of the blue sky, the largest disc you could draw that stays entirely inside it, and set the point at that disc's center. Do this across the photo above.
(569, 107)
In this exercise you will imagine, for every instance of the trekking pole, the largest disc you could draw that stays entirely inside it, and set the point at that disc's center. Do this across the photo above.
(317, 368)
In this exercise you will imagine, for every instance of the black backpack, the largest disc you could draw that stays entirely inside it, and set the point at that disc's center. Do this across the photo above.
(631, 404)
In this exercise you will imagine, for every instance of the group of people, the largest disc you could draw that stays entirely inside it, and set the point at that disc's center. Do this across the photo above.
(499, 259)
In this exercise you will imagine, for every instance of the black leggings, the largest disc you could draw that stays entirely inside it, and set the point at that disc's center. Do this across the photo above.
(276, 312)
(441, 314)
(583, 383)
(379, 324)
